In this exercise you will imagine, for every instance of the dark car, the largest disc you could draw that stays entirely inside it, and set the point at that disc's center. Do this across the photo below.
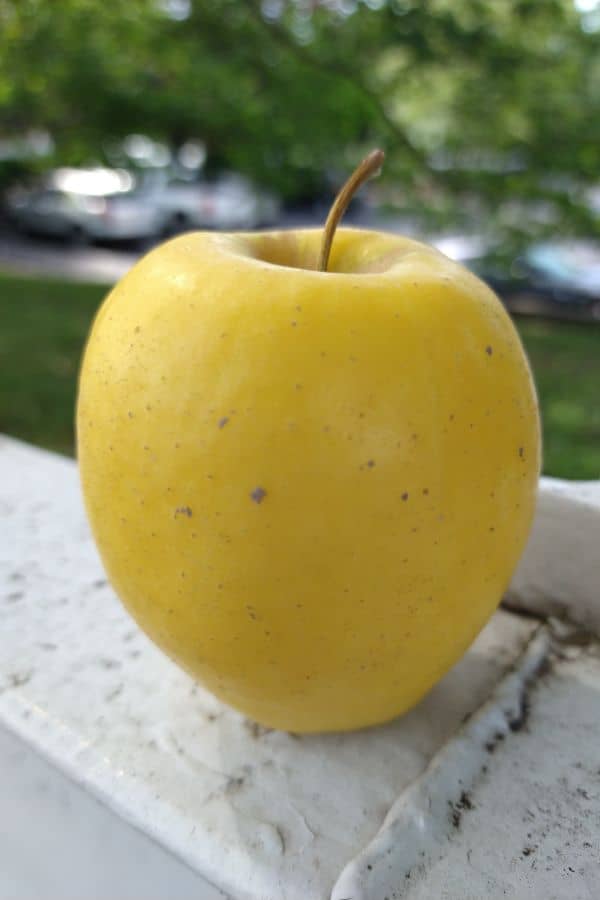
(564, 274)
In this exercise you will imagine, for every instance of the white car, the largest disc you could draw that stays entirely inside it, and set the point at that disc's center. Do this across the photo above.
(228, 202)
(86, 204)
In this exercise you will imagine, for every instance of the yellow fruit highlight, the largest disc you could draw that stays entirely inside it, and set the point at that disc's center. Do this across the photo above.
(309, 488)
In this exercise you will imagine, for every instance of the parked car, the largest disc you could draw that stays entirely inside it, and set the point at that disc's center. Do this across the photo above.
(564, 272)
(86, 204)
(114, 204)
(228, 202)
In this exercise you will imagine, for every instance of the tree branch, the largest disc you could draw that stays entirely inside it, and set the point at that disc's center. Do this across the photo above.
(281, 36)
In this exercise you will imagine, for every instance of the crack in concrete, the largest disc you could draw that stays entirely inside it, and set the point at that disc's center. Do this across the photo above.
(424, 816)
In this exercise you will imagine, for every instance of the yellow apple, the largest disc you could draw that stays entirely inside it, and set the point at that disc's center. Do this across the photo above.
(309, 488)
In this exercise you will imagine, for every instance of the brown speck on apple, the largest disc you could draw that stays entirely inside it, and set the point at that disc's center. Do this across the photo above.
(183, 511)
(521, 452)
(371, 463)
(405, 495)
(489, 350)
(258, 494)
(223, 421)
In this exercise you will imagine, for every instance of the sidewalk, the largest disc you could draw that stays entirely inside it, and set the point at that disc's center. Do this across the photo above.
(26, 256)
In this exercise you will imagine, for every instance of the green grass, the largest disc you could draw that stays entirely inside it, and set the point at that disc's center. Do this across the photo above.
(565, 358)
(44, 323)
(43, 326)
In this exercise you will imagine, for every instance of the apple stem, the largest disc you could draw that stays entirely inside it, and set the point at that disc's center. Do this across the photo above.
(369, 167)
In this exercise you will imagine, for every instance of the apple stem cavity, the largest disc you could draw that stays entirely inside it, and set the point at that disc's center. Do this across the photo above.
(369, 168)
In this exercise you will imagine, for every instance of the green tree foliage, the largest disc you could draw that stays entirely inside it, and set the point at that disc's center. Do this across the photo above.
(472, 99)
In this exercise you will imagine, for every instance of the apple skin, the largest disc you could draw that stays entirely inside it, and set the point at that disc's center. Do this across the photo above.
(309, 489)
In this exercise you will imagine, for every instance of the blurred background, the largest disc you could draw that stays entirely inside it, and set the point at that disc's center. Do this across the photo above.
(124, 123)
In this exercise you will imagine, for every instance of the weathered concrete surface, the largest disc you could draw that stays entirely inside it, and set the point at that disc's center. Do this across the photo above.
(57, 842)
(531, 827)
(560, 570)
